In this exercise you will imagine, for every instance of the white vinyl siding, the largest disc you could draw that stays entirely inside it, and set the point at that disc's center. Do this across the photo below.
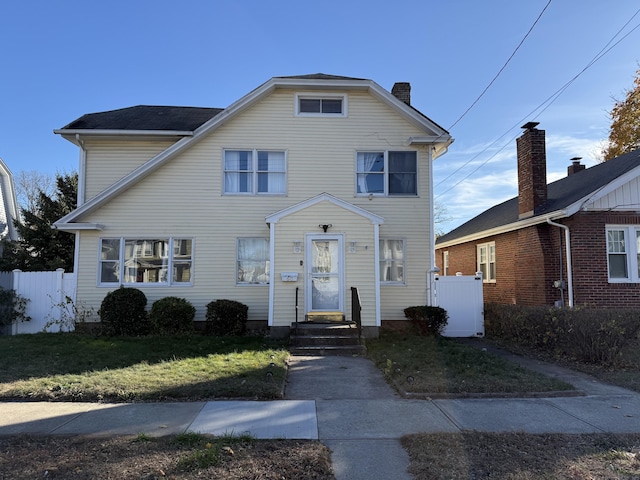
(623, 253)
(186, 195)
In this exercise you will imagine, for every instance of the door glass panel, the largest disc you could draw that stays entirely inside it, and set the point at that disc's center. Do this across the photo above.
(325, 279)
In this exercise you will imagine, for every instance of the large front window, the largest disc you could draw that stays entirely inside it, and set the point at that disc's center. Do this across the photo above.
(623, 253)
(387, 173)
(252, 261)
(166, 261)
(486, 256)
(392, 261)
(253, 172)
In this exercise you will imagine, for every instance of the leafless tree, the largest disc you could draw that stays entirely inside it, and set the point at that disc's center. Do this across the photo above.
(29, 184)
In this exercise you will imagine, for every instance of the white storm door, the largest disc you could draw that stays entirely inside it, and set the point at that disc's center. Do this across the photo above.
(325, 280)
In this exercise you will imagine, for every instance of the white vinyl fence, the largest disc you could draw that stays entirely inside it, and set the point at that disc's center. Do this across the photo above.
(461, 296)
(50, 297)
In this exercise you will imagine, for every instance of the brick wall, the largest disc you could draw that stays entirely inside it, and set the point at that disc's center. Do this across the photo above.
(528, 262)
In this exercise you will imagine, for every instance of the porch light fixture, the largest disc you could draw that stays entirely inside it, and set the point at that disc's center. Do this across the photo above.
(297, 247)
(352, 247)
(325, 227)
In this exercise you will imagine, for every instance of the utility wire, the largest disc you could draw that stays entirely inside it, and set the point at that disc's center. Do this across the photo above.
(546, 104)
(503, 67)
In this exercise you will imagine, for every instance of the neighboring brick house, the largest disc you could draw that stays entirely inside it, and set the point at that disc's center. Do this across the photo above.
(575, 241)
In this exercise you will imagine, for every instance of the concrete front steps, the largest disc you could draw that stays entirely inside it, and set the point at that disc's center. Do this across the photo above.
(326, 338)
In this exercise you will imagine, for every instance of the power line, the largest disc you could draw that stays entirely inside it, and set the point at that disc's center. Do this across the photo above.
(546, 104)
(503, 67)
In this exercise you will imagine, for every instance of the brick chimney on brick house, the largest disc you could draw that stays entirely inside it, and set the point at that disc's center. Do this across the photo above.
(532, 170)
(402, 91)
(575, 166)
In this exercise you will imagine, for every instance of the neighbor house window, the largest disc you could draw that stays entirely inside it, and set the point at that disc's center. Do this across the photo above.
(392, 261)
(623, 253)
(167, 261)
(254, 172)
(486, 256)
(252, 261)
(312, 105)
(387, 173)
(445, 263)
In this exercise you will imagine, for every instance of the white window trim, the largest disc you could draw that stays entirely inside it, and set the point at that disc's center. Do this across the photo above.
(252, 284)
(386, 175)
(254, 172)
(488, 246)
(121, 262)
(631, 252)
(403, 283)
(320, 96)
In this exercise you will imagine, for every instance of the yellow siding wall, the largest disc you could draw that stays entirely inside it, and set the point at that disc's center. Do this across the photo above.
(184, 198)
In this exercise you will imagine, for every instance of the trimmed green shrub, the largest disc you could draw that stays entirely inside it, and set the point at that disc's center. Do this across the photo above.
(122, 312)
(427, 320)
(172, 315)
(226, 317)
(588, 335)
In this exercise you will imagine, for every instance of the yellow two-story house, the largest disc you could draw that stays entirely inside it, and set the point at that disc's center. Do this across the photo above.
(302, 189)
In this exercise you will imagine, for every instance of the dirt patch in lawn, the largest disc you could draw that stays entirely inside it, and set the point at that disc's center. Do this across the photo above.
(161, 458)
(520, 456)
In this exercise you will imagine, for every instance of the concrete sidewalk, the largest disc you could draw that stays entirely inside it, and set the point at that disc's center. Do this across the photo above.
(345, 403)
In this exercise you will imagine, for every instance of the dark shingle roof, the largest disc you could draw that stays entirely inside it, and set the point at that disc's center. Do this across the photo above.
(321, 76)
(560, 194)
(146, 117)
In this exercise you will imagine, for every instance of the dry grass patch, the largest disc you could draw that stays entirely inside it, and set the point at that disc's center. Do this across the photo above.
(519, 456)
(178, 458)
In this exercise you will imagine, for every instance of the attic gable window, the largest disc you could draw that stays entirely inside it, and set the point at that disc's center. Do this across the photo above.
(319, 106)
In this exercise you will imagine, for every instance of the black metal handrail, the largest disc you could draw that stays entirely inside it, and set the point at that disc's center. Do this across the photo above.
(296, 330)
(356, 309)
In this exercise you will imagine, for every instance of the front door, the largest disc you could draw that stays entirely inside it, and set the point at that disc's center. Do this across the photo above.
(324, 272)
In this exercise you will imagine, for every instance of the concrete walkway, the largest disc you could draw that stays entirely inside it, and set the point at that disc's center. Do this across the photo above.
(345, 403)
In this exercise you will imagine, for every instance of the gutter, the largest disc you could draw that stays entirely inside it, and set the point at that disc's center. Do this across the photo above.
(567, 242)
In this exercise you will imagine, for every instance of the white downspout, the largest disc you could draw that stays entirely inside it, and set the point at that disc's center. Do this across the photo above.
(567, 242)
(82, 168)
(272, 275)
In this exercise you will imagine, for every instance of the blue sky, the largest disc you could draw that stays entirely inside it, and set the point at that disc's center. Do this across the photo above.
(61, 59)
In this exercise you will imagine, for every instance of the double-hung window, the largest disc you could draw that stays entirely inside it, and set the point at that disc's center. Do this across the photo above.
(252, 261)
(387, 173)
(254, 172)
(158, 261)
(623, 253)
(486, 261)
(392, 261)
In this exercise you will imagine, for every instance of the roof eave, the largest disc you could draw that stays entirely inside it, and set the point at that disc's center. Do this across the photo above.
(73, 227)
(510, 227)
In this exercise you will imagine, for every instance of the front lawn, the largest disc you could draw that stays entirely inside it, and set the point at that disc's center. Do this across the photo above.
(439, 365)
(72, 367)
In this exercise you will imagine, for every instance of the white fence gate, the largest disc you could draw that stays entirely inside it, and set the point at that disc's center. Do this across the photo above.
(46, 294)
(461, 296)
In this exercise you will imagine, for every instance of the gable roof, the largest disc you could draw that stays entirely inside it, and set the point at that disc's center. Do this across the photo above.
(324, 197)
(434, 134)
(145, 117)
(564, 198)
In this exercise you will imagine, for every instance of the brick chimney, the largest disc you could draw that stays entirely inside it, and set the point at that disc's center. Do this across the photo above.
(532, 170)
(402, 91)
(575, 166)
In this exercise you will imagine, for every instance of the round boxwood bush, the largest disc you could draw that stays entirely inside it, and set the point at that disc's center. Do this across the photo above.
(226, 317)
(122, 312)
(172, 315)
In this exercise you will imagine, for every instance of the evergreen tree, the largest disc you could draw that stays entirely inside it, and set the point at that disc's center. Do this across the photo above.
(40, 247)
(624, 133)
